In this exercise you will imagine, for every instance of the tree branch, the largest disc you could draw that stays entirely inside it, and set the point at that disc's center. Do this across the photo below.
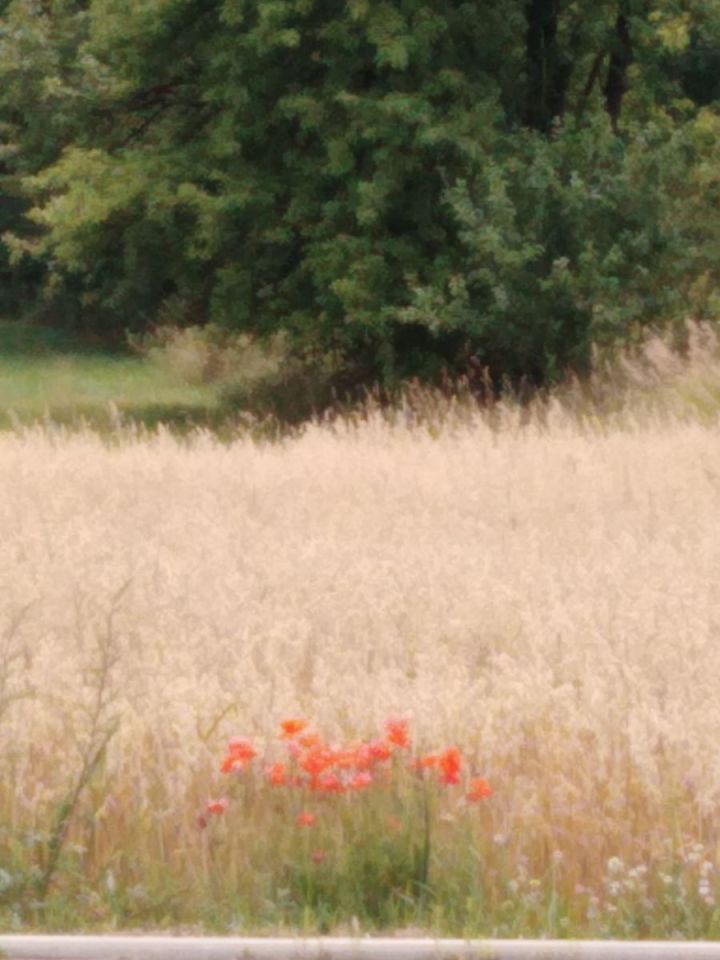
(621, 56)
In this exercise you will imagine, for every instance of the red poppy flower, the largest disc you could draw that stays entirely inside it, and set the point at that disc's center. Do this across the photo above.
(316, 761)
(425, 762)
(318, 856)
(310, 740)
(450, 763)
(291, 728)
(362, 757)
(217, 807)
(233, 764)
(329, 783)
(305, 819)
(361, 780)
(347, 758)
(241, 749)
(397, 732)
(276, 774)
(379, 750)
(479, 789)
(239, 754)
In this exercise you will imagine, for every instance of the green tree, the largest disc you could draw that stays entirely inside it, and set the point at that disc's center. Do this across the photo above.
(400, 184)
(43, 103)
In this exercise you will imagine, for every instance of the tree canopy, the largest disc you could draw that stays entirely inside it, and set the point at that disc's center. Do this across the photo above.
(401, 183)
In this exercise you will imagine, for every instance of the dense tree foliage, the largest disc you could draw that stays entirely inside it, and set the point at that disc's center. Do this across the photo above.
(402, 184)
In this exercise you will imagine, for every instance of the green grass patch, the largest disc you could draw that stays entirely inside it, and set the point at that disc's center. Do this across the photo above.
(45, 375)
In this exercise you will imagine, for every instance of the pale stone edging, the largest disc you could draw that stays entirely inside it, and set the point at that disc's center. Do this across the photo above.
(29, 947)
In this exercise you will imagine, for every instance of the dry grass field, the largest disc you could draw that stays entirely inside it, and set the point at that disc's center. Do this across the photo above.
(541, 591)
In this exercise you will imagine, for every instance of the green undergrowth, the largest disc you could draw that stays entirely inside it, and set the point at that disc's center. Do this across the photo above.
(666, 902)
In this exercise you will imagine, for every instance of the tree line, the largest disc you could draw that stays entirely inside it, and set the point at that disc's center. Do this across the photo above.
(405, 186)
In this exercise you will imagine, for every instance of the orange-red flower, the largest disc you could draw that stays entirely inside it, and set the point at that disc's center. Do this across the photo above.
(291, 728)
(305, 819)
(217, 807)
(232, 764)
(310, 740)
(241, 749)
(425, 762)
(397, 732)
(318, 856)
(317, 760)
(328, 783)
(361, 780)
(349, 757)
(479, 789)
(276, 774)
(239, 754)
(362, 756)
(379, 750)
(450, 763)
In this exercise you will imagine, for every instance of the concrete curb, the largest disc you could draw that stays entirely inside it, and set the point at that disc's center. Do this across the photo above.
(22, 947)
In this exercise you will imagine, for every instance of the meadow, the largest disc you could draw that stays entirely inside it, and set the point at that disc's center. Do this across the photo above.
(46, 375)
(534, 587)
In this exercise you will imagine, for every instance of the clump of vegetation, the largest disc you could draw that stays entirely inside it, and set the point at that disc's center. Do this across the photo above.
(370, 810)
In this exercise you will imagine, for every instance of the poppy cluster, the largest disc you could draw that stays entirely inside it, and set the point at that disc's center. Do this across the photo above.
(314, 766)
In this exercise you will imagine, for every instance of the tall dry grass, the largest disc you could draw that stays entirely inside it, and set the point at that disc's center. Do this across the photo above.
(539, 588)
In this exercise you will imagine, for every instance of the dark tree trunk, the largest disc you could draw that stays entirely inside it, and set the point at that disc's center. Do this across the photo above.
(548, 70)
(621, 56)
